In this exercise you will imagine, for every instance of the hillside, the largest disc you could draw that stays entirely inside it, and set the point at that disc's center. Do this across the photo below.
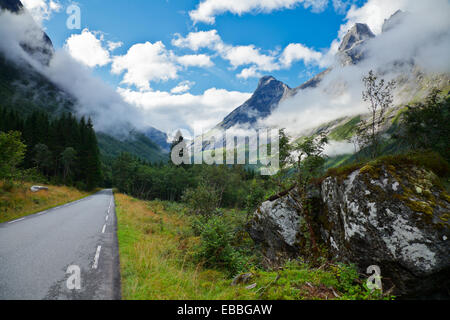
(24, 89)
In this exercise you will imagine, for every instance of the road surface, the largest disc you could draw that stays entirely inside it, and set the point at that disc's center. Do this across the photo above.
(40, 255)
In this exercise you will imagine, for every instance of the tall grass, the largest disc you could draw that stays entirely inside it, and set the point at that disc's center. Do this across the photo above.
(16, 200)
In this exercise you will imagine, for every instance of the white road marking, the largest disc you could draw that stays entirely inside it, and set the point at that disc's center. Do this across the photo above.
(16, 220)
(97, 255)
(104, 228)
(106, 218)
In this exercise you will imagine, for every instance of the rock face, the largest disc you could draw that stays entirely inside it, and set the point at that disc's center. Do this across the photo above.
(393, 21)
(397, 219)
(43, 51)
(276, 225)
(264, 100)
(379, 217)
(351, 50)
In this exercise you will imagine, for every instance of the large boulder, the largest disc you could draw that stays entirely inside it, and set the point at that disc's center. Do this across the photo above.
(276, 226)
(396, 218)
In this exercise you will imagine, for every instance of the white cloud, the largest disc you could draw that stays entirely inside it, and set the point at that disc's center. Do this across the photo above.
(296, 52)
(207, 10)
(195, 60)
(422, 39)
(373, 13)
(41, 9)
(251, 72)
(145, 62)
(247, 55)
(114, 45)
(182, 87)
(185, 111)
(197, 40)
(87, 49)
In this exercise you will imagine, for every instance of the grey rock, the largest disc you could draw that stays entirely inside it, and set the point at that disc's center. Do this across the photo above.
(38, 188)
(393, 21)
(264, 100)
(277, 225)
(351, 50)
(394, 218)
(242, 278)
(375, 221)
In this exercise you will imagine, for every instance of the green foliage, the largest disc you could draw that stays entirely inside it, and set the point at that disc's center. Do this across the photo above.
(12, 152)
(301, 281)
(379, 95)
(310, 159)
(256, 195)
(48, 139)
(427, 124)
(203, 200)
(345, 131)
(215, 249)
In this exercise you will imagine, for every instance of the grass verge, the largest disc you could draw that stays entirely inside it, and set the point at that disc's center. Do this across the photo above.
(156, 243)
(18, 201)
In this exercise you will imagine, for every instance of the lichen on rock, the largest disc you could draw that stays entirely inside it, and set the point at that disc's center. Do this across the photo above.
(372, 216)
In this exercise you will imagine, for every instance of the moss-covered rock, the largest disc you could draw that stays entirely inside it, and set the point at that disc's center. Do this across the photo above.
(392, 216)
(390, 213)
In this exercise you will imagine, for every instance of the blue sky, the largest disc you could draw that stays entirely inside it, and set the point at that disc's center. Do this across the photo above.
(139, 21)
(189, 63)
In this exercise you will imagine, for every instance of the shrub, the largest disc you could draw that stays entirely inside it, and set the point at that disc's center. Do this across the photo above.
(203, 199)
(215, 249)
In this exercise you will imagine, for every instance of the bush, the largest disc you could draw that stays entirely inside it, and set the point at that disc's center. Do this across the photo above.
(203, 199)
(215, 249)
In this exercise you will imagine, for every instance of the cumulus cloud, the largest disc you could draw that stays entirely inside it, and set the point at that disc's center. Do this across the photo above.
(186, 111)
(145, 62)
(249, 56)
(421, 40)
(251, 72)
(41, 9)
(182, 87)
(87, 49)
(197, 40)
(114, 45)
(296, 52)
(195, 60)
(373, 13)
(207, 10)
(117, 111)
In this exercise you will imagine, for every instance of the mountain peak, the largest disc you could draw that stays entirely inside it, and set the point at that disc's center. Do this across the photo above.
(357, 34)
(266, 80)
(11, 5)
(393, 20)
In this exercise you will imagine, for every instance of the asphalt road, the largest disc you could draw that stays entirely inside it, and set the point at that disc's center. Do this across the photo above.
(41, 254)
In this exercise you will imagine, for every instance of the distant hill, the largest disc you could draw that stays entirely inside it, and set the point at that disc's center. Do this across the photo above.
(24, 89)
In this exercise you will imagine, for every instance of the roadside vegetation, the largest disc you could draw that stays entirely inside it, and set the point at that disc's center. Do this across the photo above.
(168, 253)
(17, 201)
(188, 238)
(21, 168)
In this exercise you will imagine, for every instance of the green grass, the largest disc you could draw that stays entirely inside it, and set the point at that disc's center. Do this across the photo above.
(156, 243)
(346, 130)
(20, 201)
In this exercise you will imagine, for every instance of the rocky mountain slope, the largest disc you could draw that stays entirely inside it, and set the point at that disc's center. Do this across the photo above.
(24, 89)
(352, 51)
(270, 91)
